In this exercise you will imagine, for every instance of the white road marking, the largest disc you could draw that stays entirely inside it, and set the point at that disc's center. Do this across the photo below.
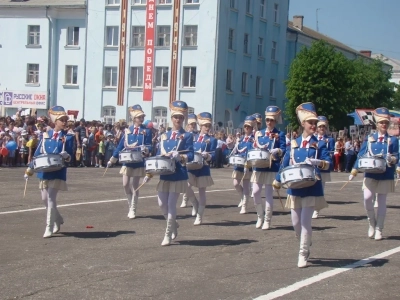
(92, 202)
(341, 181)
(306, 282)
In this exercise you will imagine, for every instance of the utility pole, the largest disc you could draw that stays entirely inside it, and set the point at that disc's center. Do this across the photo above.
(316, 13)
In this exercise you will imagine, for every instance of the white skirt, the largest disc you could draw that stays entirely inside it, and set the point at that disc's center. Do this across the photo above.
(263, 177)
(379, 186)
(132, 172)
(172, 186)
(293, 202)
(57, 184)
(201, 181)
(239, 175)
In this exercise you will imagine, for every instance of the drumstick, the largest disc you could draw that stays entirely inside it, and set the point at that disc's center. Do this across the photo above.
(139, 187)
(105, 171)
(344, 185)
(26, 184)
(397, 182)
(280, 199)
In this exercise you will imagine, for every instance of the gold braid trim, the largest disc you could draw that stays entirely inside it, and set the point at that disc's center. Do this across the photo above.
(354, 172)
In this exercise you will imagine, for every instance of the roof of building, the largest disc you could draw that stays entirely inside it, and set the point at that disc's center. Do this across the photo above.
(395, 63)
(319, 36)
(43, 3)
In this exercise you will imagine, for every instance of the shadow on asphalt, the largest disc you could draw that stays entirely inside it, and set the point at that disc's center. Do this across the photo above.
(231, 223)
(345, 218)
(340, 263)
(393, 206)
(220, 206)
(393, 237)
(96, 234)
(341, 202)
(314, 228)
(160, 217)
(212, 243)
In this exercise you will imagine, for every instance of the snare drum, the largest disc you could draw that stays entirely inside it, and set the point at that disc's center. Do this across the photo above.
(372, 164)
(259, 158)
(129, 157)
(298, 176)
(48, 162)
(197, 163)
(160, 165)
(237, 160)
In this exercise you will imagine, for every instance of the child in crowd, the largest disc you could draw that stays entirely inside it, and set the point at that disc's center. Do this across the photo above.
(109, 146)
(101, 152)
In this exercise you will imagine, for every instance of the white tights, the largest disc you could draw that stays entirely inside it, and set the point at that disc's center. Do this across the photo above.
(202, 194)
(130, 187)
(245, 190)
(301, 220)
(269, 198)
(167, 203)
(368, 201)
(49, 197)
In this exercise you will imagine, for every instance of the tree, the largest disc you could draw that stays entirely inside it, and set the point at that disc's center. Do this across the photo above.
(396, 98)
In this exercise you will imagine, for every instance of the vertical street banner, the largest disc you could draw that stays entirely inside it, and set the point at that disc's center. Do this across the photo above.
(149, 51)
(174, 53)
(122, 53)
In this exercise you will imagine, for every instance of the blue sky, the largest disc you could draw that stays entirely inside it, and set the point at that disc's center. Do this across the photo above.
(360, 24)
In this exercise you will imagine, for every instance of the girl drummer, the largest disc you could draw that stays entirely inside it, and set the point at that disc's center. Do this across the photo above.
(242, 174)
(136, 138)
(329, 142)
(201, 178)
(274, 141)
(53, 141)
(381, 145)
(304, 201)
(192, 128)
(178, 145)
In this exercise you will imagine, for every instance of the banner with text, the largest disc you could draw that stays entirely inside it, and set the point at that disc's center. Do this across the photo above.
(149, 51)
(23, 99)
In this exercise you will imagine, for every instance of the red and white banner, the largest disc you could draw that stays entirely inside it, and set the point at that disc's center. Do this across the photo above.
(149, 51)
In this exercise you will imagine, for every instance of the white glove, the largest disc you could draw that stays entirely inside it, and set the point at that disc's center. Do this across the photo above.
(26, 177)
(389, 158)
(175, 155)
(351, 177)
(146, 179)
(64, 155)
(275, 150)
(313, 161)
(109, 164)
(205, 155)
(144, 149)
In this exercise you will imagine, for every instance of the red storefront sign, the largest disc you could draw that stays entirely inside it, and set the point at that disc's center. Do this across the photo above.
(149, 51)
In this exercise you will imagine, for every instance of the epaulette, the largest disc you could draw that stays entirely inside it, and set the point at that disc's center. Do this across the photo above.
(293, 144)
(258, 133)
(45, 135)
(163, 136)
(371, 138)
(128, 131)
(314, 145)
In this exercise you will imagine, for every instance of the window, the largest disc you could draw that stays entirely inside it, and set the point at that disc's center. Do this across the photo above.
(232, 4)
(191, 1)
(258, 85)
(71, 75)
(273, 51)
(162, 76)
(262, 9)
(136, 2)
(164, 1)
(112, 35)
(244, 82)
(73, 36)
(246, 44)
(33, 73)
(189, 77)
(110, 76)
(136, 76)
(34, 35)
(160, 115)
(248, 7)
(276, 13)
(229, 80)
(190, 35)
(230, 39)
(260, 48)
(113, 2)
(138, 35)
(272, 88)
(163, 36)
(109, 114)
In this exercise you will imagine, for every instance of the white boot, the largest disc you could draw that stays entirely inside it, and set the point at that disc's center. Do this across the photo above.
(199, 217)
(184, 200)
(267, 219)
(168, 232)
(58, 222)
(380, 219)
(195, 208)
(304, 252)
(375, 201)
(174, 229)
(241, 202)
(260, 215)
(372, 223)
(315, 214)
(51, 215)
(132, 208)
(244, 204)
(130, 198)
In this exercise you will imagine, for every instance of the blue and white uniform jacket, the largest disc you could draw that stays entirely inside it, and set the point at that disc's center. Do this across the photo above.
(269, 140)
(373, 146)
(330, 146)
(208, 144)
(244, 145)
(132, 142)
(182, 141)
(49, 145)
(298, 154)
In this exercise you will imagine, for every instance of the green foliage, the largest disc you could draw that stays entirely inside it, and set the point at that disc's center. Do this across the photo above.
(396, 98)
(335, 84)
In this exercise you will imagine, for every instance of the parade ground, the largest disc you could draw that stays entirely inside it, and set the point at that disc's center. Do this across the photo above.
(101, 254)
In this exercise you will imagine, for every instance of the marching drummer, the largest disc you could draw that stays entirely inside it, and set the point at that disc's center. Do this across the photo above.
(205, 144)
(329, 142)
(272, 140)
(178, 145)
(242, 174)
(192, 128)
(137, 139)
(54, 141)
(303, 201)
(379, 145)
(258, 120)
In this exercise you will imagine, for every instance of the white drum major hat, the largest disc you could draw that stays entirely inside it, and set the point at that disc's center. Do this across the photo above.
(306, 111)
(57, 112)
